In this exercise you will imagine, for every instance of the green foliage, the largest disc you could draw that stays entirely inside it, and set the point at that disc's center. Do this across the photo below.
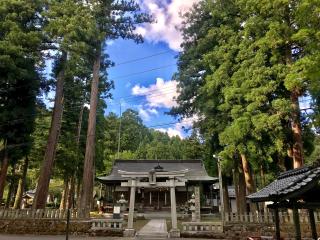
(20, 76)
(139, 142)
(241, 62)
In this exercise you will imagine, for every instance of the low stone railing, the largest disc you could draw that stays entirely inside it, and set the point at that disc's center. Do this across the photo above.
(37, 214)
(202, 227)
(269, 217)
(101, 224)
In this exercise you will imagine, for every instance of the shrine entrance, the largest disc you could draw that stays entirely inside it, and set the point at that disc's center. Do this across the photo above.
(156, 179)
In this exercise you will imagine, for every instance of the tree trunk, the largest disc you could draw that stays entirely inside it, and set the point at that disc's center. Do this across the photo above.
(250, 186)
(70, 201)
(79, 127)
(4, 171)
(88, 171)
(225, 196)
(11, 189)
(262, 176)
(297, 148)
(65, 194)
(47, 165)
(78, 192)
(21, 185)
(242, 191)
(235, 172)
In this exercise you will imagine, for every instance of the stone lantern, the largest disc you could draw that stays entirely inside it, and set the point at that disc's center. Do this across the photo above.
(192, 207)
(123, 203)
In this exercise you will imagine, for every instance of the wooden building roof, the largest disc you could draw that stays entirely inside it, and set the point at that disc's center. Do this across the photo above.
(298, 183)
(196, 169)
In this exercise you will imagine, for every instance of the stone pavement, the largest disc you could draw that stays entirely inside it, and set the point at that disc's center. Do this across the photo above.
(61, 237)
(56, 237)
(154, 229)
(154, 225)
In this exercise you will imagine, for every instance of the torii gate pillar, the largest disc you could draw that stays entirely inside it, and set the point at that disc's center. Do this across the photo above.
(174, 232)
(153, 175)
(130, 231)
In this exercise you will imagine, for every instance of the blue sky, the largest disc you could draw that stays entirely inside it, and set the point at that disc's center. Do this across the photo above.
(146, 85)
(152, 92)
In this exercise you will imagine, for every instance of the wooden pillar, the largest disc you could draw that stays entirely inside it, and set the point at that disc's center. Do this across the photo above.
(114, 194)
(165, 198)
(187, 193)
(150, 198)
(312, 224)
(296, 222)
(277, 223)
(131, 205)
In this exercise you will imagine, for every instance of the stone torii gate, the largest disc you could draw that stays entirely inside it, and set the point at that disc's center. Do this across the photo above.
(173, 179)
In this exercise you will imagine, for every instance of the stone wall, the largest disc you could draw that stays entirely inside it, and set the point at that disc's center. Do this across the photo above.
(42, 226)
(53, 227)
(243, 230)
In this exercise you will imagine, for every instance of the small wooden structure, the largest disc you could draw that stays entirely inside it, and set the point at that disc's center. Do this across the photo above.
(295, 189)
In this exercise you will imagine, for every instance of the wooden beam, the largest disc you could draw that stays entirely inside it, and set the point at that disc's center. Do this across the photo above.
(158, 184)
(277, 223)
(298, 205)
(180, 173)
(296, 222)
(312, 224)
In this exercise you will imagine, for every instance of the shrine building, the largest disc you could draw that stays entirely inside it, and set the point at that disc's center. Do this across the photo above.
(152, 192)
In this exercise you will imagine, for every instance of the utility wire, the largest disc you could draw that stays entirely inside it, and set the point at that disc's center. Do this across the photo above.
(145, 71)
(140, 59)
(171, 123)
(131, 100)
(120, 77)
(149, 91)
(75, 106)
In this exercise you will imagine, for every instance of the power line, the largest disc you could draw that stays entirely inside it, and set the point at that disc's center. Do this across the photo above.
(149, 91)
(140, 59)
(145, 71)
(120, 77)
(171, 123)
(132, 99)
(138, 98)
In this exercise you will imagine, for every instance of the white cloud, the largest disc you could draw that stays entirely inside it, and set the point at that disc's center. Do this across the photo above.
(153, 111)
(146, 113)
(167, 23)
(110, 42)
(160, 94)
(171, 132)
(179, 128)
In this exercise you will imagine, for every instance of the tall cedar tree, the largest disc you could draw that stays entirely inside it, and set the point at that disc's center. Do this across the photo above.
(20, 41)
(114, 19)
(293, 46)
(69, 26)
(248, 62)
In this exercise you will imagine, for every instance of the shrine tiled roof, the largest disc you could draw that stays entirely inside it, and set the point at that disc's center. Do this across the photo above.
(196, 169)
(290, 184)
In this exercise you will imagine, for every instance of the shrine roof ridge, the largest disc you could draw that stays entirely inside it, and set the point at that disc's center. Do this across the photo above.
(197, 171)
(158, 160)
